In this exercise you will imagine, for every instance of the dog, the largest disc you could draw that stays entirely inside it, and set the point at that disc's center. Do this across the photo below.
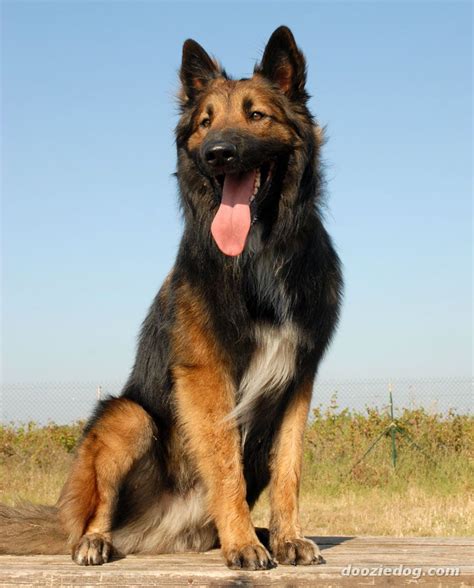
(216, 404)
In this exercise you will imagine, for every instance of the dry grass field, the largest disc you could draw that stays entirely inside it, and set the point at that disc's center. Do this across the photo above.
(428, 493)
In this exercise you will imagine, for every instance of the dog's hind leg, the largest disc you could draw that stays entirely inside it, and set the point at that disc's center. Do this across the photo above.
(120, 434)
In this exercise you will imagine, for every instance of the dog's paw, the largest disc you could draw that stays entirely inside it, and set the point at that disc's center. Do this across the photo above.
(297, 551)
(92, 550)
(249, 557)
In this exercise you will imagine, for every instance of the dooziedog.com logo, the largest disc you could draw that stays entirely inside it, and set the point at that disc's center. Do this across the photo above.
(398, 571)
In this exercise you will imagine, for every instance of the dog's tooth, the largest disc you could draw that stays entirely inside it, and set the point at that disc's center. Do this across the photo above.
(256, 184)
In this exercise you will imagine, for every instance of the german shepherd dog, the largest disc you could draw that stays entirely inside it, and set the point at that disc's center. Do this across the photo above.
(215, 408)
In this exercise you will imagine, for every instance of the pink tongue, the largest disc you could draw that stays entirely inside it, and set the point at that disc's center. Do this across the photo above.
(231, 224)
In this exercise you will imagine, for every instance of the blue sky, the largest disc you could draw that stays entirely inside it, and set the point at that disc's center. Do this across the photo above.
(90, 221)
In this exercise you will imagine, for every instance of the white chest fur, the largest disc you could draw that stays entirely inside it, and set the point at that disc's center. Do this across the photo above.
(271, 368)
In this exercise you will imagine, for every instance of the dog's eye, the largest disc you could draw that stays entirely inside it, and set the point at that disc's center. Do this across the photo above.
(205, 123)
(256, 115)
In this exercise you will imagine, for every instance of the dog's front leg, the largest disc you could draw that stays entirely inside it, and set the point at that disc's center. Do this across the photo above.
(288, 545)
(204, 397)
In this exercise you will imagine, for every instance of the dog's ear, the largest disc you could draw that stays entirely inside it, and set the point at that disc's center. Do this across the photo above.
(284, 64)
(197, 70)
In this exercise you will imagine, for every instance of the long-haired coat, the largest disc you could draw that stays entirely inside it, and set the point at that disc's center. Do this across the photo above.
(216, 404)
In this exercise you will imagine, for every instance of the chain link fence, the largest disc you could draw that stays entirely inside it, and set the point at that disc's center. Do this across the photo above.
(436, 395)
(65, 402)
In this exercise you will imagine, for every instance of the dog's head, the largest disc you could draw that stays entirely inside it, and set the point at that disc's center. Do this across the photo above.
(244, 141)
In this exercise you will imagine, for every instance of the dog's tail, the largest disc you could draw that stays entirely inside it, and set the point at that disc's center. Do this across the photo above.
(31, 529)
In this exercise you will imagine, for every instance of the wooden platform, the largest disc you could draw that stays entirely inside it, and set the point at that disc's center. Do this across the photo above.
(359, 561)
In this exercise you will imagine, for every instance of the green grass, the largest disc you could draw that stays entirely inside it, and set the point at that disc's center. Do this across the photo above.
(427, 493)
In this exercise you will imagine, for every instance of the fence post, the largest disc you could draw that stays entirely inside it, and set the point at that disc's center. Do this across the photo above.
(392, 427)
(99, 392)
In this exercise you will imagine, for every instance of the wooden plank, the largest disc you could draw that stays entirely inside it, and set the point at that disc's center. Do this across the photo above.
(418, 556)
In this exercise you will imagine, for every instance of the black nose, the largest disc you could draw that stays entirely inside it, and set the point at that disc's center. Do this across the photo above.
(218, 154)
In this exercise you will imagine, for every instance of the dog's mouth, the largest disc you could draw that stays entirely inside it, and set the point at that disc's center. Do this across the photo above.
(240, 194)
